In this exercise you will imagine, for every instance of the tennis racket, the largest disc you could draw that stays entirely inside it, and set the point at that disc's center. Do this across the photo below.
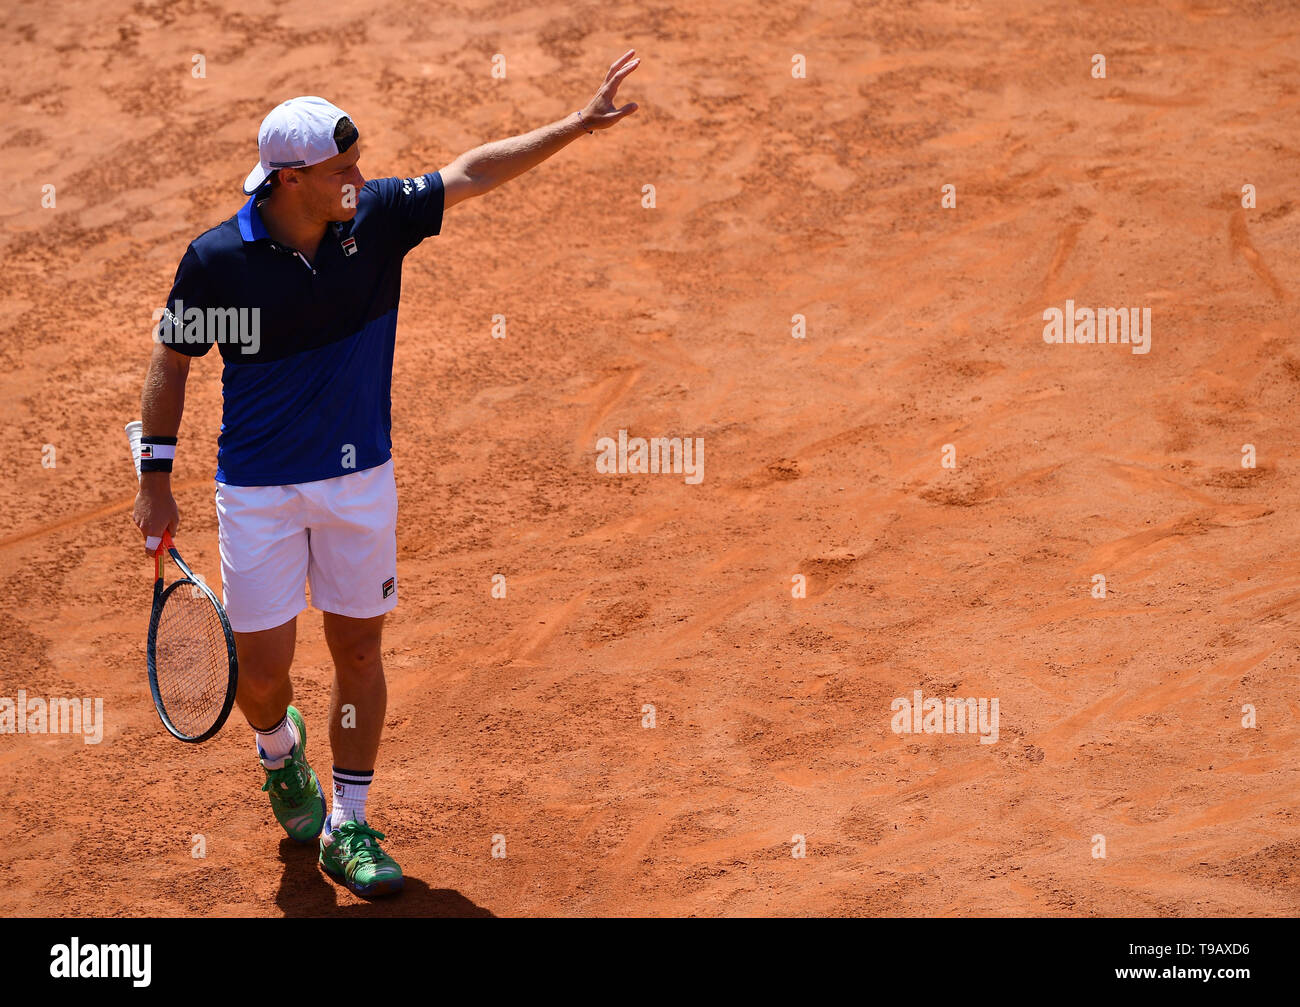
(193, 669)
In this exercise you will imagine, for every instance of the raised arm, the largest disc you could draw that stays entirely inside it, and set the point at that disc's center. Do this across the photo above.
(484, 168)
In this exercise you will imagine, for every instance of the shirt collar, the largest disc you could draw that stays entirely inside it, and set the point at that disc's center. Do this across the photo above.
(250, 221)
(251, 227)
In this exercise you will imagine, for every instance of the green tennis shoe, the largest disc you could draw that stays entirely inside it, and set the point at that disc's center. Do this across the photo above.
(352, 856)
(296, 796)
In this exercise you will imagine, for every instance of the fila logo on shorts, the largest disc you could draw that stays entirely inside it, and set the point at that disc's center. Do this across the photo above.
(390, 585)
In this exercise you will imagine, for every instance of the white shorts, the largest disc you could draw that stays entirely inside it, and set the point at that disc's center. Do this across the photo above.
(338, 534)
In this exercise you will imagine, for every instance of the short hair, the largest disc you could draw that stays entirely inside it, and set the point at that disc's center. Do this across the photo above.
(345, 134)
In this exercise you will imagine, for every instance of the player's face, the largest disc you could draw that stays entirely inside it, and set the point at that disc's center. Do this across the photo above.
(333, 186)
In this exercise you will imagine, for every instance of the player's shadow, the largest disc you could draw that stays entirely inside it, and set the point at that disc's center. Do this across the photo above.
(305, 890)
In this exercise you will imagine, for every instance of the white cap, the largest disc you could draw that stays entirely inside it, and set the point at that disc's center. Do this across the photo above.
(301, 132)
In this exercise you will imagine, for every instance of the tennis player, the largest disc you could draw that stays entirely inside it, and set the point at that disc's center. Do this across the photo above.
(300, 290)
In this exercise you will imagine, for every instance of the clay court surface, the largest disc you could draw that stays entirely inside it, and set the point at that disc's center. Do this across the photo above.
(775, 196)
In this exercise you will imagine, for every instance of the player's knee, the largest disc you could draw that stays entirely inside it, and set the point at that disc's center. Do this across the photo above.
(355, 645)
(262, 680)
(360, 662)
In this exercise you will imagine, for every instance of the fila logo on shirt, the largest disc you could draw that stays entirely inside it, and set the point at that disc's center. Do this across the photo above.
(349, 246)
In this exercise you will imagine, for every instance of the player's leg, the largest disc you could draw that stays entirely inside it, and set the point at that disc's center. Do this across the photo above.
(353, 573)
(360, 696)
(357, 707)
(350, 850)
(263, 569)
(265, 689)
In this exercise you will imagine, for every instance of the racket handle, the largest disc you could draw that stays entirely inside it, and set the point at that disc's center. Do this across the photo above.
(134, 431)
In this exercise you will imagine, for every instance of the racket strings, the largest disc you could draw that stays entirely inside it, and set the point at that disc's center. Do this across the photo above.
(191, 660)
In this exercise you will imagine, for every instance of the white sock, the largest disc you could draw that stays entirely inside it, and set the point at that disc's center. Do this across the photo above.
(350, 790)
(275, 745)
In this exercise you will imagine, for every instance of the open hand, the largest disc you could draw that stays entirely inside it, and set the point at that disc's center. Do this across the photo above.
(600, 112)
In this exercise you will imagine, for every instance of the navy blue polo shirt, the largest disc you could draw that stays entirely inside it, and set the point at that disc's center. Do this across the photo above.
(307, 375)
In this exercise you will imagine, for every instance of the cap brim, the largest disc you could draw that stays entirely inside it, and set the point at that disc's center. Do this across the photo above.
(256, 179)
